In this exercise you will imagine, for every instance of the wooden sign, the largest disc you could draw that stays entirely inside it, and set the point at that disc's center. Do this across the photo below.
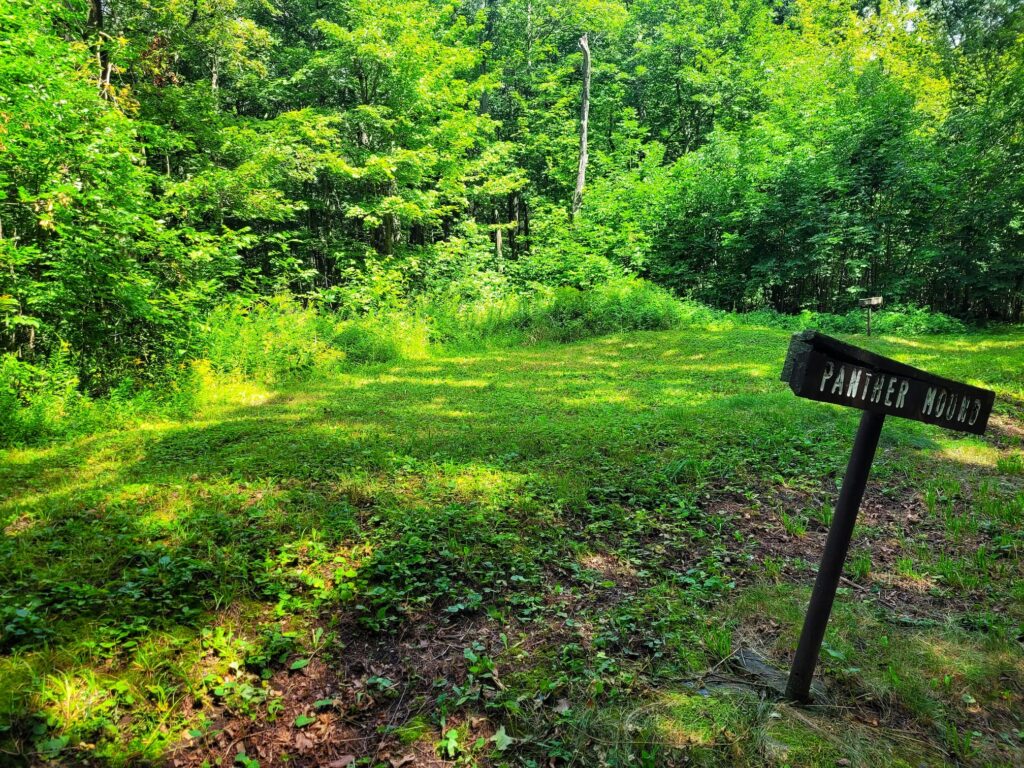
(819, 367)
(873, 301)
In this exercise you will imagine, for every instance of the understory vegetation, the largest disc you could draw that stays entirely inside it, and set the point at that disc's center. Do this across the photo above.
(279, 339)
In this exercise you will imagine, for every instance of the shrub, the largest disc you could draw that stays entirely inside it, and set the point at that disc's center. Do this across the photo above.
(374, 339)
(901, 320)
(34, 400)
(455, 322)
(628, 304)
(558, 314)
(559, 255)
(915, 321)
(39, 402)
(268, 340)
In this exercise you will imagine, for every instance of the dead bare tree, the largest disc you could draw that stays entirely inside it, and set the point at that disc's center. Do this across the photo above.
(581, 174)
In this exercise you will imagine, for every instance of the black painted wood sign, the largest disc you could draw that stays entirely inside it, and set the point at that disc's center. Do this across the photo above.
(819, 367)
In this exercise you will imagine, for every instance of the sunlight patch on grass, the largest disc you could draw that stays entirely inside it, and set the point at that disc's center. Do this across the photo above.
(604, 396)
(484, 484)
(60, 495)
(223, 390)
(435, 381)
(973, 452)
(695, 720)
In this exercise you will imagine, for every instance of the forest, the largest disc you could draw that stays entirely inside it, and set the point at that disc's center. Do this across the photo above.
(159, 159)
(396, 383)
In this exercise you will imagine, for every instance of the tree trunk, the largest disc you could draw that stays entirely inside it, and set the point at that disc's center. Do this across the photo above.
(389, 234)
(498, 258)
(581, 174)
(96, 24)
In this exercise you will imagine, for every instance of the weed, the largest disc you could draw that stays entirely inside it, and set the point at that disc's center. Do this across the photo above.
(822, 515)
(860, 566)
(718, 642)
(794, 525)
(1012, 464)
(773, 568)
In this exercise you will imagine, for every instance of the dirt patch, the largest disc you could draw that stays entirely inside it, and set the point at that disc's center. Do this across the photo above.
(352, 703)
(890, 527)
(1005, 431)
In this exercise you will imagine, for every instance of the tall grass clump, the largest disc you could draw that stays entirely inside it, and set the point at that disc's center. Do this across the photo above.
(382, 338)
(497, 320)
(558, 314)
(45, 401)
(568, 314)
(897, 320)
(277, 339)
(268, 340)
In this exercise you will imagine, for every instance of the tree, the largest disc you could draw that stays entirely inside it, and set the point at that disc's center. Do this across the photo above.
(581, 174)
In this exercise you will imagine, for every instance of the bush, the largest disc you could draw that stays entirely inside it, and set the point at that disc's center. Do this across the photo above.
(34, 400)
(278, 339)
(560, 314)
(897, 320)
(39, 402)
(268, 340)
(568, 314)
(374, 339)
(915, 321)
(560, 256)
(454, 322)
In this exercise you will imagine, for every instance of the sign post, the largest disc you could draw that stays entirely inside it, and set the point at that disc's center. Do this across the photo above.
(873, 301)
(821, 368)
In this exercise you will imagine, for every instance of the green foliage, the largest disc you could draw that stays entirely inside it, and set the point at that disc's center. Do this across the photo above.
(893, 320)
(567, 314)
(44, 401)
(279, 339)
(268, 341)
(159, 162)
(305, 222)
(34, 399)
(560, 314)
(87, 264)
(375, 339)
(461, 559)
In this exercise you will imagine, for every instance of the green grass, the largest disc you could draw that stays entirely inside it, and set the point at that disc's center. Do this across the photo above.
(556, 540)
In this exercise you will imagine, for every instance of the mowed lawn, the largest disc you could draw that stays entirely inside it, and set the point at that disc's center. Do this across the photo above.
(533, 556)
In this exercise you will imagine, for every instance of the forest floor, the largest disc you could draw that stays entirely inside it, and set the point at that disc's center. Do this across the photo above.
(539, 556)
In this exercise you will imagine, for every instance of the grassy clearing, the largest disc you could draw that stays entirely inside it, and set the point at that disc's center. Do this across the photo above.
(513, 557)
